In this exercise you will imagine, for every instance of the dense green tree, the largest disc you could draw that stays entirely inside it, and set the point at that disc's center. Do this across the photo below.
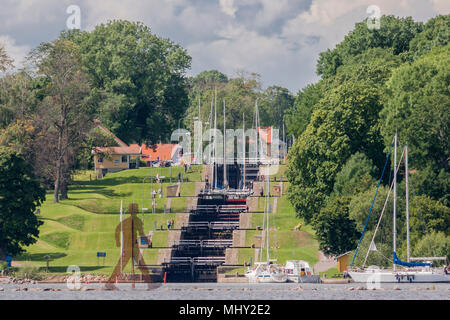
(20, 195)
(435, 33)
(434, 244)
(356, 176)
(359, 209)
(374, 66)
(239, 93)
(344, 123)
(433, 182)
(207, 79)
(143, 77)
(395, 33)
(19, 136)
(273, 104)
(335, 230)
(428, 215)
(418, 107)
(298, 116)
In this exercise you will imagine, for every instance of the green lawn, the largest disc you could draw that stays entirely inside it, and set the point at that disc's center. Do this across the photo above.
(285, 243)
(75, 229)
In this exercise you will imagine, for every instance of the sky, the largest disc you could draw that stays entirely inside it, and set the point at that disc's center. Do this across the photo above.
(278, 39)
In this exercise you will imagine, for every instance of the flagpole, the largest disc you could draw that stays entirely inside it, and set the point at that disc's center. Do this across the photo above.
(121, 238)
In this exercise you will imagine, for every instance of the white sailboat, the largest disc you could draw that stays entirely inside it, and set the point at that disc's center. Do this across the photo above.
(266, 271)
(408, 271)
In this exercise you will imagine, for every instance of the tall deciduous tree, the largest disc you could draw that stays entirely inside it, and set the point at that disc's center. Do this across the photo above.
(418, 108)
(335, 230)
(63, 114)
(141, 75)
(5, 60)
(275, 101)
(395, 33)
(298, 116)
(20, 195)
(344, 123)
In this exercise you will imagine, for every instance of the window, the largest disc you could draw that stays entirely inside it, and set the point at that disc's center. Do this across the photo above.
(100, 159)
(124, 158)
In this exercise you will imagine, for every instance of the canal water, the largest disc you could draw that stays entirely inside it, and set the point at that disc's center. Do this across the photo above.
(233, 291)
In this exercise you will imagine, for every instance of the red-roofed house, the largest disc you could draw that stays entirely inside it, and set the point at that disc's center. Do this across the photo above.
(112, 159)
(161, 152)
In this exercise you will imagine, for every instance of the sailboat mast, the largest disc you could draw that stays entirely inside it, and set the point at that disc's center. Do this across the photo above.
(199, 103)
(394, 226)
(267, 209)
(215, 139)
(210, 127)
(243, 138)
(407, 203)
(225, 182)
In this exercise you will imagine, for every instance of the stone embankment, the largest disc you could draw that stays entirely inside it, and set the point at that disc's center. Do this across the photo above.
(84, 278)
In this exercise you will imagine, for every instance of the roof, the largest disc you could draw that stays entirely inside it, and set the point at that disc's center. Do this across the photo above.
(133, 149)
(98, 124)
(344, 254)
(123, 148)
(265, 135)
(164, 151)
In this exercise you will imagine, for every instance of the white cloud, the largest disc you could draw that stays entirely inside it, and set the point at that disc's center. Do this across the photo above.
(280, 39)
(227, 7)
(441, 6)
(14, 51)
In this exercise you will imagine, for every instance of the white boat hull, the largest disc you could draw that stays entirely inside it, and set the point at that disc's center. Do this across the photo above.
(398, 277)
(270, 278)
(303, 279)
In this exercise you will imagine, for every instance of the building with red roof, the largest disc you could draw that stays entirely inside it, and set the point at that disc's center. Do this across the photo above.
(113, 159)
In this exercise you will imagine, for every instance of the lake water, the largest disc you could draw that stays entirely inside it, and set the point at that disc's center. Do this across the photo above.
(233, 291)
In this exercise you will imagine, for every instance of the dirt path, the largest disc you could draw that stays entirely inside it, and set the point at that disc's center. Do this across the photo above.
(191, 202)
(324, 263)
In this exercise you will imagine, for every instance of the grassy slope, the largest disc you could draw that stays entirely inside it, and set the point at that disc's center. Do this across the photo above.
(75, 229)
(285, 243)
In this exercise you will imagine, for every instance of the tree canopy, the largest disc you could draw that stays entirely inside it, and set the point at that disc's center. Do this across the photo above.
(374, 83)
(141, 78)
(20, 195)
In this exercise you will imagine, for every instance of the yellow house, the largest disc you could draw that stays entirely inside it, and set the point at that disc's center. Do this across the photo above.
(113, 159)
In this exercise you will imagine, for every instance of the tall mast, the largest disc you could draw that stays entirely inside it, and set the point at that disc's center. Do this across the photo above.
(225, 182)
(199, 102)
(268, 209)
(257, 129)
(394, 226)
(215, 138)
(407, 203)
(243, 136)
(211, 181)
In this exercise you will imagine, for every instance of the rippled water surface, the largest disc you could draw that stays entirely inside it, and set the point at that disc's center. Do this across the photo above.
(237, 291)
